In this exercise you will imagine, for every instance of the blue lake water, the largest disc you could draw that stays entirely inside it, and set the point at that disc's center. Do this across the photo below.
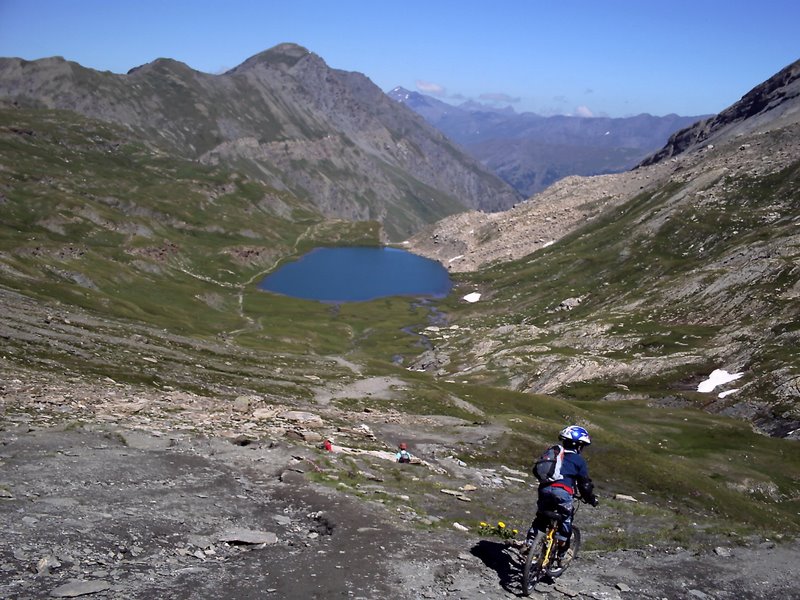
(358, 274)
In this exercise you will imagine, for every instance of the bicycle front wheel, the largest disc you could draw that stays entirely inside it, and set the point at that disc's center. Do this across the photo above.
(534, 569)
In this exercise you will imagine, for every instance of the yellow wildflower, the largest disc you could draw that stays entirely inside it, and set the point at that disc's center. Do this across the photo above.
(484, 524)
(516, 531)
(501, 525)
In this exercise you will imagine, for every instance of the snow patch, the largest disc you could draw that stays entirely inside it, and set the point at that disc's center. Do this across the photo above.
(728, 393)
(473, 297)
(717, 377)
(550, 243)
(456, 258)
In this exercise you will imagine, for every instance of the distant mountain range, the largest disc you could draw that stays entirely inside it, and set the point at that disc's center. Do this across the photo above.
(531, 152)
(332, 138)
(283, 117)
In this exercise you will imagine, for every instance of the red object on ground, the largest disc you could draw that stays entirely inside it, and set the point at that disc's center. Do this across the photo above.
(328, 446)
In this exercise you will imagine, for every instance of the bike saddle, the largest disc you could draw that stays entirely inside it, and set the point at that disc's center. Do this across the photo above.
(551, 514)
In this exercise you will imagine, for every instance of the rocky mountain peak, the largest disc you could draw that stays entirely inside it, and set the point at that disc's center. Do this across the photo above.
(406, 96)
(161, 65)
(285, 55)
(772, 102)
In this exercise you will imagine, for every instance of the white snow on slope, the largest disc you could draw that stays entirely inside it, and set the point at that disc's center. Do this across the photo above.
(473, 297)
(717, 377)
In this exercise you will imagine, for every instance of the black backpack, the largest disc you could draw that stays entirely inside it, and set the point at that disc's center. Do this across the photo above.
(547, 468)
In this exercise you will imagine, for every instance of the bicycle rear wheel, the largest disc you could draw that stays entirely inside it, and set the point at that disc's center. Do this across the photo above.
(533, 571)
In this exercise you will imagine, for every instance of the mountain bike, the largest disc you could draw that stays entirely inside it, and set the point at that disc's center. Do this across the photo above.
(541, 559)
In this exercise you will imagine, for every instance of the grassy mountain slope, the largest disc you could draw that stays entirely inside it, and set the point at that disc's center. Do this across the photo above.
(676, 269)
(95, 217)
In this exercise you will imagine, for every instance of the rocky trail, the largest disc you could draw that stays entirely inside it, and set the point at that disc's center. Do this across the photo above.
(113, 491)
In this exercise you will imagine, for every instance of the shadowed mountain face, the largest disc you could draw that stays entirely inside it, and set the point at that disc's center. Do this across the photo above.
(531, 152)
(285, 118)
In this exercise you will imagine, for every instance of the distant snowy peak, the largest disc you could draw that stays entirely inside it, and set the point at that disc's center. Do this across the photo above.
(404, 96)
(421, 102)
(431, 109)
(400, 94)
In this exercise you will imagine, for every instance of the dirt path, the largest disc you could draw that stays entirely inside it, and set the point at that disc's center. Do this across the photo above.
(105, 512)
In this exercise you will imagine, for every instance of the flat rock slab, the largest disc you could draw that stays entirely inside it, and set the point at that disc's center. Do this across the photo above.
(144, 441)
(73, 589)
(306, 419)
(247, 536)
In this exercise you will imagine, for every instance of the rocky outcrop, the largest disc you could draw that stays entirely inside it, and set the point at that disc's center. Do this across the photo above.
(473, 240)
(770, 104)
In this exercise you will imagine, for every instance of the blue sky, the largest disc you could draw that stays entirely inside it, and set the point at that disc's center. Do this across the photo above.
(610, 57)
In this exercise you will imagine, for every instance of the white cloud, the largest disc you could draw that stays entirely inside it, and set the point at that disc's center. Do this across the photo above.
(428, 87)
(583, 111)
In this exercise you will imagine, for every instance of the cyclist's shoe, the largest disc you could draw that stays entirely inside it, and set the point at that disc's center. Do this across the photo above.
(561, 550)
(527, 545)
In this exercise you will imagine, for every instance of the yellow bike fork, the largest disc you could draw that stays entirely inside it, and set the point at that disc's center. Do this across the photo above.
(548, 550)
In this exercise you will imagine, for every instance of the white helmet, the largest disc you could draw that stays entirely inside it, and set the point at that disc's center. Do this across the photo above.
(575, 436)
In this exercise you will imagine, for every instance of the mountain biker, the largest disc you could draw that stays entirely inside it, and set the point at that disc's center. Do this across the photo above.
(558, 495)
(403, 455)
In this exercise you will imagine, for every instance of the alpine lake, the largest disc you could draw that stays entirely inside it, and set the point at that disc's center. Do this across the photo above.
(357, 274)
